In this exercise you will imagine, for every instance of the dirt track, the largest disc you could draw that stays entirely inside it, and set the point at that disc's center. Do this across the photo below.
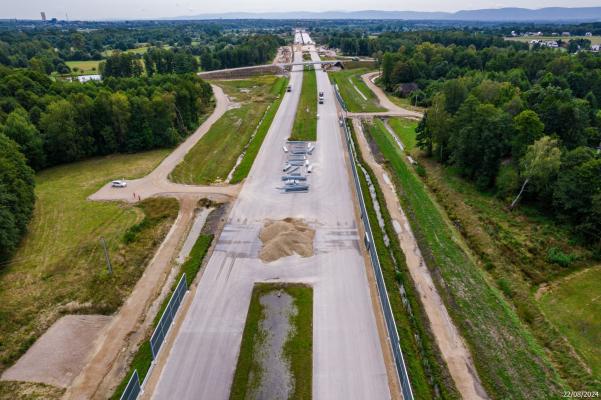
(450, 342)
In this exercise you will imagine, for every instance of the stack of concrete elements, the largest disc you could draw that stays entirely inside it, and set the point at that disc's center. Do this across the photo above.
(297, 166)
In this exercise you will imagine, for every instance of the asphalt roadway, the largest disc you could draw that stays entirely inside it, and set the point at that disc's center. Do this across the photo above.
(347, 355)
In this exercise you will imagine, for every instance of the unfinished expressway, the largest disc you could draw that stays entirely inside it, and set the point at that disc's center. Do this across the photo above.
(348, 353)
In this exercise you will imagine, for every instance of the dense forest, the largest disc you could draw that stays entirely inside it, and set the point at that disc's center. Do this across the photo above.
(524, 123)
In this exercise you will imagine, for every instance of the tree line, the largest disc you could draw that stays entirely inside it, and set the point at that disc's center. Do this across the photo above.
(359, 42)
(525, 124)
(46, 49)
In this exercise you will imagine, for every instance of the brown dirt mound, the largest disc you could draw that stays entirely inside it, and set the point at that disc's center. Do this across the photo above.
(284, 238)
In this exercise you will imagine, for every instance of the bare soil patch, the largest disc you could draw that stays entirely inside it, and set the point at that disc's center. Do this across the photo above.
(58, 356)
(284, 238)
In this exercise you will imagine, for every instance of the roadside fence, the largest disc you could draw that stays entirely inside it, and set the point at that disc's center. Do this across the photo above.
(134, 388)
(393, 335)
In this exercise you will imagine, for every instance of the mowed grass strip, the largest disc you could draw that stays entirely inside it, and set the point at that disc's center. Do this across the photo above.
(298, 348)
(574, 306)
(143, 357)
(508, 359)
(61, 261)
(254, 146)
(305, 120)
(84, 67)
(345, 79)
(216, 154)
(405, 131)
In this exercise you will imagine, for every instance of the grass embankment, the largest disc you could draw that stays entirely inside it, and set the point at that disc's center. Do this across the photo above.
(305, 120)
(405, 130)
(298, 348)
(250, 153)
(59, 267)
(427, 371)
(143, 357)
(352, 89)
(508, 359)
(574, 306)
(84, 67)
(216, 154)
(522, 250)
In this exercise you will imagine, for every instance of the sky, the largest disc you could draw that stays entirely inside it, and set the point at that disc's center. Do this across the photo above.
(142, 9)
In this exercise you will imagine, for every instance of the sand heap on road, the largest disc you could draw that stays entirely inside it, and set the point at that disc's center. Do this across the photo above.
(284, 238)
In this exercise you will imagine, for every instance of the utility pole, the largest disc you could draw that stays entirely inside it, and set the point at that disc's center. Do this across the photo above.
(106, 255)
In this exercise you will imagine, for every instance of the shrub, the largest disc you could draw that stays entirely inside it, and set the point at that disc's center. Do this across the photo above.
(556, 256)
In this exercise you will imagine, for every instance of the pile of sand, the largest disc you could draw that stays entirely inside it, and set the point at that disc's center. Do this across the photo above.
(284, 238)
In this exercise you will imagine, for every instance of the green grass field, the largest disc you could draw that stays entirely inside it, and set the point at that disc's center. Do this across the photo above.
(574, 306)
(527, 39)
(84, 67)
(509, 361)
(137, 50)
(305, 120)
(352, 87)
(405, 130)
(216, 154)
(298, 348)
(60, 260)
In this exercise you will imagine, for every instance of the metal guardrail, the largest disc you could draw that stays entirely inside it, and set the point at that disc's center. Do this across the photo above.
(134, 388)
(375, 261)
(160, 332)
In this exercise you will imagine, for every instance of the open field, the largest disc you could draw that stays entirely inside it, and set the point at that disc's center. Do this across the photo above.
(295, 353)
(60, 267)
(355, 93)
(137, 50)
(143, 358)
(216, 153)
(305, 120)
(509, 361)
(425, 366)
(527, 39)
(84, 67)
(573, 304)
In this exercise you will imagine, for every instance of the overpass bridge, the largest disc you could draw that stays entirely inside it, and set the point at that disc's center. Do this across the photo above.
(279, 68)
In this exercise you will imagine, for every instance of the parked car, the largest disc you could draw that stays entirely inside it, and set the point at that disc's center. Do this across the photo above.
(119, 183)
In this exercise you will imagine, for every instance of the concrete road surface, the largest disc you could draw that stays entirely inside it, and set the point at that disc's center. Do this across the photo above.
(348, 361)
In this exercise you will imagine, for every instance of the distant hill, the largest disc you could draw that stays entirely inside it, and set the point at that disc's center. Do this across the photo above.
(555, 14)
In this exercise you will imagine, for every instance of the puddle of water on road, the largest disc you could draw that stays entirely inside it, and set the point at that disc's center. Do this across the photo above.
(276, 380)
